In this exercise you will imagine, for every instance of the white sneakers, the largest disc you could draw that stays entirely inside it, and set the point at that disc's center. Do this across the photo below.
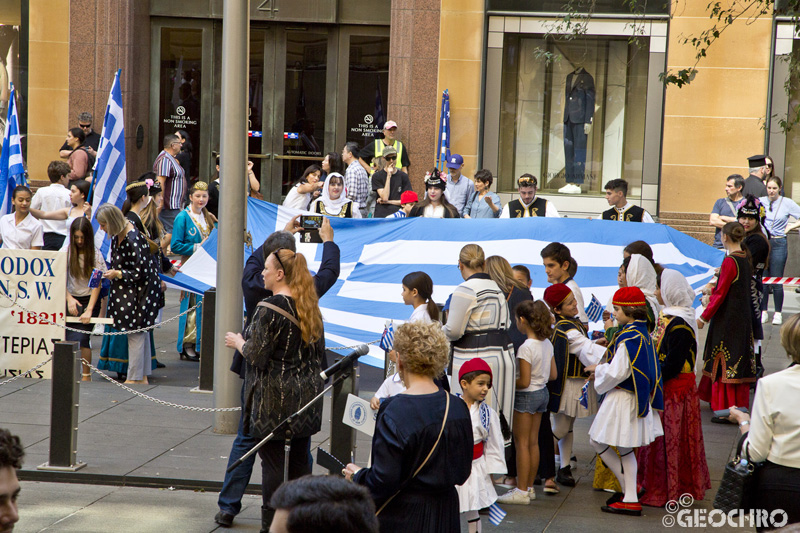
(516, 497)
(570, 188)
(764, 317)
(777, 319)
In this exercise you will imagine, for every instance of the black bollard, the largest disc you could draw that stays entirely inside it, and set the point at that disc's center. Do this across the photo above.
(343, 436)
(66, 379)
(206, 381)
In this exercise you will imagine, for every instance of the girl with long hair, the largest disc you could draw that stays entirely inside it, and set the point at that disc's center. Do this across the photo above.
(435, 204)
(83, 292)
(282, 377)
(306, 189)
(192, 227)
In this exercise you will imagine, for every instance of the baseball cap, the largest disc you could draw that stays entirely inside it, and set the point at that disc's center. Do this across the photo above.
(408, 197)
(455, 161)
(389, 150)
(389, 124)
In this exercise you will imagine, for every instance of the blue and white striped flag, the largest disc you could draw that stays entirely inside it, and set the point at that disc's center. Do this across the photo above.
(594, 310)
(496, 514)
(12, 166)
(444, 133)
(387, 339)
(110, 175)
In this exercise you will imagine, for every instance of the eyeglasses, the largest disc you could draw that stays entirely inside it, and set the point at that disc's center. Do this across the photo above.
(85, 126)
(526, 181)
(391, 158)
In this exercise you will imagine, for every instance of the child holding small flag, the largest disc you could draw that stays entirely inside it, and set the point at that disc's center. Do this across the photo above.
(488, 452)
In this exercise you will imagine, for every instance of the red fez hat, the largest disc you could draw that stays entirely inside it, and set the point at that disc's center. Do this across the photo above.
(629, 296)
(555, 294)
(408, 197)
(472, 365)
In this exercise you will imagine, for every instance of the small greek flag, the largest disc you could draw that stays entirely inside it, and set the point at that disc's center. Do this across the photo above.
(387, 339)
(12, 167)
(584, 399)
(594, 310)
(444, 133)
(496, 514)
(110, 174)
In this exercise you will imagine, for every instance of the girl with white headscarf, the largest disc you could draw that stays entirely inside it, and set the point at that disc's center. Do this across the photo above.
(639, 272)
(334, 201)
(667, 476)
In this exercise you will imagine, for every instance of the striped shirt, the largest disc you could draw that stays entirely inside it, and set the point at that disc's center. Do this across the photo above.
(175, 184)
(778, 213)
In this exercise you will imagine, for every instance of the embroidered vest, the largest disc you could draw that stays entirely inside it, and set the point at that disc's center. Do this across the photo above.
(567, 365)
(345, 212)
(645, 379)
(516, 209)
(633, 214)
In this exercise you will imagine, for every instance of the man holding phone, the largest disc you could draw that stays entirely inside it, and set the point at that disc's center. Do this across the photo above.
(389, 183)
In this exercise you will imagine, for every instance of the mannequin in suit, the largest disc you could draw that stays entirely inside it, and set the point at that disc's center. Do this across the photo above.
(578, 114)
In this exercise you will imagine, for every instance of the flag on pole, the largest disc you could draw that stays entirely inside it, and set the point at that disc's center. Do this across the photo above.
(110, 176)
(379, 118)
(387, 339)
(12, 167)
(594, 310)
(444, 133)
(496, 514)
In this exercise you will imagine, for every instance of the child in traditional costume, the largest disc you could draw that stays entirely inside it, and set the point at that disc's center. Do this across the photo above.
(488, 453)
(631, 381)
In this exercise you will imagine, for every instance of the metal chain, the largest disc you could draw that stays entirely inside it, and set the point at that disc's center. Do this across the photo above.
(156, 400)
(104, 334)
(34, 369)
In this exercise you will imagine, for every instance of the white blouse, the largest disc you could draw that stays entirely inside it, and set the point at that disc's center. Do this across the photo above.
(774, 426)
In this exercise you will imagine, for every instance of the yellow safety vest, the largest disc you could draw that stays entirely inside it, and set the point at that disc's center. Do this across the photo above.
(379, 146)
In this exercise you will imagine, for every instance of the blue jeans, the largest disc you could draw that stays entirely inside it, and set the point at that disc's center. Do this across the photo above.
(777, 262)
(230, 497)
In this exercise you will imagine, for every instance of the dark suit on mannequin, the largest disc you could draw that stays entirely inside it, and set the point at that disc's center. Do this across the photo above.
(578, 110)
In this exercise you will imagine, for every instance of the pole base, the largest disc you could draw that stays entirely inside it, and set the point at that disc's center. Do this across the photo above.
(201, 391)
(74, 468)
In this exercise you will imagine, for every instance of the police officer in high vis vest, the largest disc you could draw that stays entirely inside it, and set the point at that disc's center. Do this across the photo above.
(375, 148)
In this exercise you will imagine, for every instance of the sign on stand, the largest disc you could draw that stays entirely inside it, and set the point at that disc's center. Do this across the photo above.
(37, 281)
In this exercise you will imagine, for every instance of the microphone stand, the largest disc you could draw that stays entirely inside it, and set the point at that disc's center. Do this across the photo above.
(285, 426)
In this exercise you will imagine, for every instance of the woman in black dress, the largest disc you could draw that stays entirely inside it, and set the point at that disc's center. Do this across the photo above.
(284, 345)
(135, 287)
(422, 447)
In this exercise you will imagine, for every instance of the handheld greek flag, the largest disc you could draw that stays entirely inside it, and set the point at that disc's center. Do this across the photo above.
(387, 339)
(12, 166)
(584, 399)
(496, 514)
(444, 133)
(110, 174)
(594, 310)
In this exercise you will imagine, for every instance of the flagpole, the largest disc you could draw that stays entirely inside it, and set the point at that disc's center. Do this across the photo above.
(230, 244)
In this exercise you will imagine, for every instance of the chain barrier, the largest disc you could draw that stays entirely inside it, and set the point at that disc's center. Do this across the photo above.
(28, 373)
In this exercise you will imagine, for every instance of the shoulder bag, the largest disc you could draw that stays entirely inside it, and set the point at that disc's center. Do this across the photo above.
(737, 488)
(425, 461)
(280, 311)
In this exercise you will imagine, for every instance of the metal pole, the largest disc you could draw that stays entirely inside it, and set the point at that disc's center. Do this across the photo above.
(206, 378)
(343, 437)
(230, 247)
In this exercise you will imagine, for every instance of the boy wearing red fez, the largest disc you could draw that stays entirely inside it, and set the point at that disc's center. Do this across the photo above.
(631, 381)
(572, 351)
(488, 451)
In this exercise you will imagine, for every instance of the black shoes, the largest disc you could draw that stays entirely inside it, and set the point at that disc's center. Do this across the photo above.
(159, 364)
(564, 477)
(194, 358)
(224, 519)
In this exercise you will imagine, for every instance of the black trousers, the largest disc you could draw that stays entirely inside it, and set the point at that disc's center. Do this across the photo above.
(272, 457)
(53, 241)
(778, 487)
(547, 452)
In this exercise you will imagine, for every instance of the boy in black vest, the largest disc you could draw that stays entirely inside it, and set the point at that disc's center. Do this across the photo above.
(528, 205)
(621, 208)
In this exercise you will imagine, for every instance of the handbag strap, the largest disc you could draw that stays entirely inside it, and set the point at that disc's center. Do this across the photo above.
(424, 462)
(280, 311)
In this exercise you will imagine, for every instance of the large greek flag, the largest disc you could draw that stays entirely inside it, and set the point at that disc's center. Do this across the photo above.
(377, 253)
(12, 167)
(110, 175)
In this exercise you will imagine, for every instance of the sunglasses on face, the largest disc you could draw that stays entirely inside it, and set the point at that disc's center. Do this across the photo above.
(85, 126)
(391, 158)
(279, 259)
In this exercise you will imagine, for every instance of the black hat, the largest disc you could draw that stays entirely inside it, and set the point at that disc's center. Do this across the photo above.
(751, 207)
(757, 161)
(435, 179)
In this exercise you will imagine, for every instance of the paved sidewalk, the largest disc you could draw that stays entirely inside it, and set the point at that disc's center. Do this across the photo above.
(126, 440)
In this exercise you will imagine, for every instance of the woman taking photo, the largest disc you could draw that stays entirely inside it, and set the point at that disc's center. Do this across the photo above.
(477, 326)
(192, 227)
(82, 300)
(135, 288)
(305, 190)
(334, 202)
(728, 361)
(483, 203)
(282, 377)
(435, 204)
(773, 433)
(778, 211)
(423, 446)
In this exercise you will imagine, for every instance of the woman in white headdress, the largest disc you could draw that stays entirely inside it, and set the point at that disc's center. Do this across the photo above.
(334, 201)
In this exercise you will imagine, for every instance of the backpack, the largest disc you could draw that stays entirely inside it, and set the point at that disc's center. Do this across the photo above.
(92, 159)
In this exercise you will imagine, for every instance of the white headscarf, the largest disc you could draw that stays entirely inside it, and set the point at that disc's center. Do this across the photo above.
(334, 207)
(678, 297)
(640, 273)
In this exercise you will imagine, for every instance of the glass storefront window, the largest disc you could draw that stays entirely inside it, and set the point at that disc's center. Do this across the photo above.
(791, 177)
(255, 110)
(581, 6)
(368, 86)
(578, 119)
(179, 102)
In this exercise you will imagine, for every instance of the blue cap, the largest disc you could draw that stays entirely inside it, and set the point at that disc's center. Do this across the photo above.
(455, 161)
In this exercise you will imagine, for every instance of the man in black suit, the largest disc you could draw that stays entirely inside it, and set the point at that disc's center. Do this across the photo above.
(578, 113)
(759, 170)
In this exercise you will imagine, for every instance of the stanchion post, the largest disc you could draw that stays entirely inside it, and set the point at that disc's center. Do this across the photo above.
(66, 379)
(206, 381)
(342, 436)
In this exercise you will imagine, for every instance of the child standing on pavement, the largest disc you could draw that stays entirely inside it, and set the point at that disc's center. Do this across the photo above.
(488, 453)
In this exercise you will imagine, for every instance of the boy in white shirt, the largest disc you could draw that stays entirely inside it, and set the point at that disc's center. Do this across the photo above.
(53, 198)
